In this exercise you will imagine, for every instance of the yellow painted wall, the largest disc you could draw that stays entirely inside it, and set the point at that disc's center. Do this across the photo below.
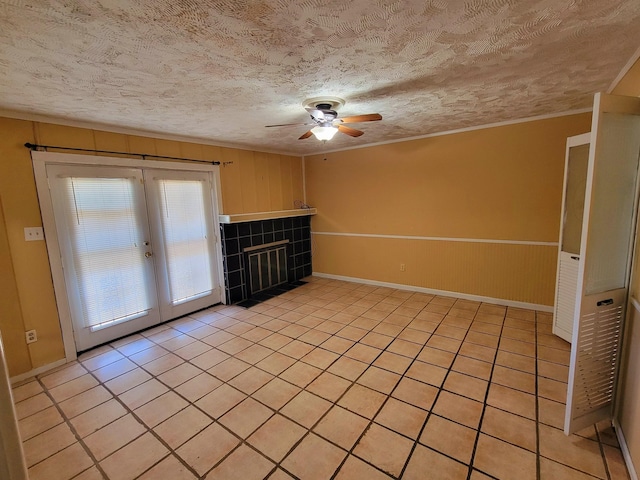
(254, 182)
(11, 323)
(500, 183)
(628, 412)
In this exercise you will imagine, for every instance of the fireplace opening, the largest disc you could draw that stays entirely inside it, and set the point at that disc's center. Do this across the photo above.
(266, 265)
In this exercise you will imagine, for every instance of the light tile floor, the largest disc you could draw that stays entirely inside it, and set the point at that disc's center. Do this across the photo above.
(331, 380)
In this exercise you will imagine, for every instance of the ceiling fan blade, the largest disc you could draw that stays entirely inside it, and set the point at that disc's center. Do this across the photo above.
(289, 124)
(306, 134)
(315, 113)
(350, 131)
(370, 117)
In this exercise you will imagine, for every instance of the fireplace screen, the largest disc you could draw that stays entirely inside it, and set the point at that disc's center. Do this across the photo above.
(267, 268)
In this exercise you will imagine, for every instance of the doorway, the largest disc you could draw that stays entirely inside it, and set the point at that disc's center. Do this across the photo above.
(136, 243)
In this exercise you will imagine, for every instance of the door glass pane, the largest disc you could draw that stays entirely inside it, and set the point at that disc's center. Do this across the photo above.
(184, 230)
(614, 185)
(106, 240)
(574, 198)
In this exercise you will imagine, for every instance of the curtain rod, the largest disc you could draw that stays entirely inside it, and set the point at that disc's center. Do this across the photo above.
(35, 147)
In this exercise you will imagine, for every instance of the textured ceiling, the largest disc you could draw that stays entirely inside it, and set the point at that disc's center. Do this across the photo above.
(221, 70)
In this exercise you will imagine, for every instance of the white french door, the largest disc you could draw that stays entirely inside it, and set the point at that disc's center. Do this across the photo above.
(181, 211)
(137, 246)
(101, 219)
(605, 256)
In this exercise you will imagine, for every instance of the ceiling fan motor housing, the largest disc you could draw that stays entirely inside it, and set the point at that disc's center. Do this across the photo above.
(325, 107)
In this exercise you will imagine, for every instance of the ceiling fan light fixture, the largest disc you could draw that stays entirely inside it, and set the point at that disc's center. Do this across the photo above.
(324, 133)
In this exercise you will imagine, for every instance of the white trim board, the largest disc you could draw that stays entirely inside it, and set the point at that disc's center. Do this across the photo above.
(69, 122)
(433, 291)
(33, 117)
(461, 130)
(625, 70)
(626, 454)
(441, 239)
(37, 371)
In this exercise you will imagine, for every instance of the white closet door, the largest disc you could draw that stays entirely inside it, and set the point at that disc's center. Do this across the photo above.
(605, 252)
(102, 226)
(575, 182)
(181, 209)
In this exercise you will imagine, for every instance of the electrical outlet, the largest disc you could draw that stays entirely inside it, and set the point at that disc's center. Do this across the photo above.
(402, 269)
(33, 234)
(32, 336)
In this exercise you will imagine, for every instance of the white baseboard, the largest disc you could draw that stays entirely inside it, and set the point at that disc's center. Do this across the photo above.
(625, 451)
(432, 291)
(37, 371)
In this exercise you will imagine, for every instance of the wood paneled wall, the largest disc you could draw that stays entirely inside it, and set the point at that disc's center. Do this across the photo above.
(252, 182)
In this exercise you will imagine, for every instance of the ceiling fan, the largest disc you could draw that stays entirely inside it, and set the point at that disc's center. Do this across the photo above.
(326, 121)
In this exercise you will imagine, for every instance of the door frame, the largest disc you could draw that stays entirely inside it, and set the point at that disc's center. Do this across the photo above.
(40, 161)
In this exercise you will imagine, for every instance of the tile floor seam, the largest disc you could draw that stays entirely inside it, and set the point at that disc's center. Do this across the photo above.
(484, 403)
(372, 420)
(335, 404)
(214, 422)
(602, 454)
(537, 404)
(234, 449)
(79, 439)
(435, 400)
(278, 411)
(148, 430)
(172, 452)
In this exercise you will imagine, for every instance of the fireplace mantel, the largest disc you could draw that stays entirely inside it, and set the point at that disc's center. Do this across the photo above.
(250, 217)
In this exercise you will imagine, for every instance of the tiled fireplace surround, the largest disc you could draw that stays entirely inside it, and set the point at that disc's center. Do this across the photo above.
(238, 236)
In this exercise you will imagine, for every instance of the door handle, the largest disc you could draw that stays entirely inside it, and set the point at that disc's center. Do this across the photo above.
(148, 254)
(604, 303)
(573, 257)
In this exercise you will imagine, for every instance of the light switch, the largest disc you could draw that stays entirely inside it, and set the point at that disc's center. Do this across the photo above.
(32, 234)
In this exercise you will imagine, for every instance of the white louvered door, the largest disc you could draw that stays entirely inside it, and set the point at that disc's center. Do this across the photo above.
(565, 306)
(606, 250)
(575, 181)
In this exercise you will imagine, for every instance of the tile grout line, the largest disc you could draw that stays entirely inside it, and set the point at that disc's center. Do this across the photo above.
(334, 403)
(486, 397)
(243, 441)
(172, 452)
(79, 439)
(388, 396)
(440, 389)
(602, 454)
(371, 421)
(141, 422)
(214, 420)
(537, 400)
